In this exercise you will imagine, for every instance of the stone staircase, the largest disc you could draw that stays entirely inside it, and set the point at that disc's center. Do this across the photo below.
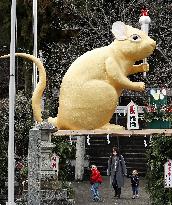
(132, 148)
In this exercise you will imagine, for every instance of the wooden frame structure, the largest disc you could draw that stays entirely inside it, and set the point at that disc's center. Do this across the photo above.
(80, 141)
(166, 132)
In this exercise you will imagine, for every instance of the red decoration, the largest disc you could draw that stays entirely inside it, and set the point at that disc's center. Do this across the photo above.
(169, 109)
(150, 109)
(144, 12)
(19, 165)
(53, 165)
(132, 110)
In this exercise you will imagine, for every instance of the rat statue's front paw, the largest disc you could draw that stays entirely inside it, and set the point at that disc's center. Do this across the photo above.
(145, 67)
(140, 86)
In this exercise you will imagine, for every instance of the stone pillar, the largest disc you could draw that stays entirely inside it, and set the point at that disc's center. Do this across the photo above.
(34, 167)
(39, 162)
(80, 154)
(46, 153)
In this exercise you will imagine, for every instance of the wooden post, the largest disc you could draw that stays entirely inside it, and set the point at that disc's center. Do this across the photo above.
(166, 132)
(80, 154)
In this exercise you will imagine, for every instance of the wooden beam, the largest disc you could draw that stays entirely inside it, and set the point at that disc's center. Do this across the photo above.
(166, 132)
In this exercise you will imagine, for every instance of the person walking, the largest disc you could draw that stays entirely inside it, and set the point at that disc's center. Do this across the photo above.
(117, 170)
(135, 183)
(95, 180)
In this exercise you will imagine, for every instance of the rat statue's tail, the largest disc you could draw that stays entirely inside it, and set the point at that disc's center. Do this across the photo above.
(37, 94)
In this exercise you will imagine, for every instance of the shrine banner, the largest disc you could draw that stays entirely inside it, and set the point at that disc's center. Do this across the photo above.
(132, 116)
(168, 174)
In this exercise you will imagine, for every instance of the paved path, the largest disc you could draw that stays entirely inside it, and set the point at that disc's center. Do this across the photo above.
(82, 194)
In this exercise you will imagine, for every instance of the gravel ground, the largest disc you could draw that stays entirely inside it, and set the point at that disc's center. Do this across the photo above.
(83, 195)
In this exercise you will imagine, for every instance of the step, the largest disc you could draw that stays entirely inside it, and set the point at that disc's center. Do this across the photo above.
(134, 155)
(104, 149)
(132, 148)
(136, 160)
(98, 153)
(121, 146)
(138, 157)
(136, 166)
(123, 149)
(128, 163)
(139, 169)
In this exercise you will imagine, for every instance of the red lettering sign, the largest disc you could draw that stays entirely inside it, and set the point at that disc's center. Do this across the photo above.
(132, 110)
(53, 165)
(54, 159)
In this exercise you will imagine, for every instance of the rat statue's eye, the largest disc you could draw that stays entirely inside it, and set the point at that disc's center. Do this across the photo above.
(135, 37)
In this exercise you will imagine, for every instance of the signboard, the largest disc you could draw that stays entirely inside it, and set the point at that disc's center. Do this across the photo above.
(158, 98)
(132, 116)
(55, 162)
(168, 174)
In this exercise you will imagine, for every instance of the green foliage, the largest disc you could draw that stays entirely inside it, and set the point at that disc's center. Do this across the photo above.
(159, 151)
(47, 11)
(4, 140)
(24, 171)
(5, 8)
(70, 190)
(23, 122)
(66, 152)
(160, 113)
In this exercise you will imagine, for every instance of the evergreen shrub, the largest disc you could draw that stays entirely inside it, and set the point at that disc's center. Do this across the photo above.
(160, 150)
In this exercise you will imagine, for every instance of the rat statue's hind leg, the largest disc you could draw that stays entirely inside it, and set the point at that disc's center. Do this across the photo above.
(89, 105)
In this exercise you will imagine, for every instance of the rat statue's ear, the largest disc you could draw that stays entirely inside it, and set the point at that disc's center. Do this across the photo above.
(119, 30)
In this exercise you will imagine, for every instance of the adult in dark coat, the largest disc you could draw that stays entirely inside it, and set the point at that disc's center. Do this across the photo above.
(117, 170)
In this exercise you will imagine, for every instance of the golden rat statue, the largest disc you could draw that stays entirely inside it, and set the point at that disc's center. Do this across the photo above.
(92, 85)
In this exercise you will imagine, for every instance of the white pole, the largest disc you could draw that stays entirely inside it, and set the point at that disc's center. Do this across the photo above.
(11, 108)
(35, 42)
